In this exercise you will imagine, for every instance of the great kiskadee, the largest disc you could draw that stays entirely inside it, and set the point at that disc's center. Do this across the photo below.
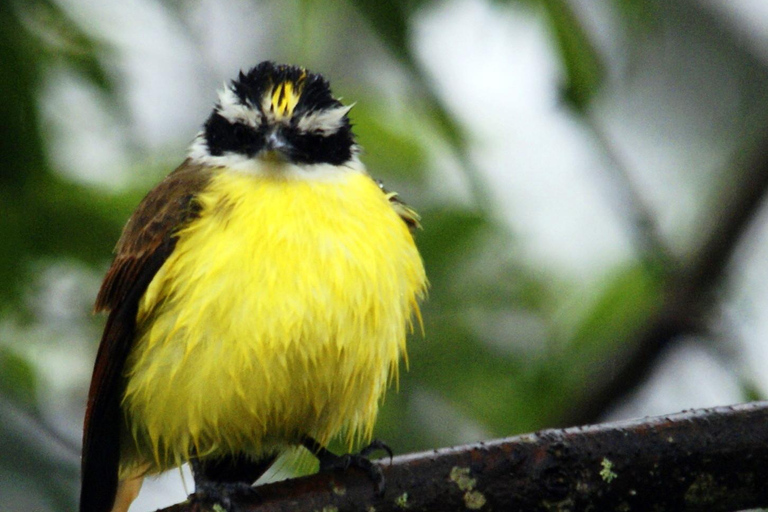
(259, 298)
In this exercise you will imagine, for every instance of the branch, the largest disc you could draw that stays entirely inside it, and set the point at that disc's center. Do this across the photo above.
(708, 459)
(629, 203)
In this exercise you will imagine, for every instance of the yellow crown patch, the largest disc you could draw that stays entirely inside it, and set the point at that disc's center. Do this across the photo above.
(285, 96)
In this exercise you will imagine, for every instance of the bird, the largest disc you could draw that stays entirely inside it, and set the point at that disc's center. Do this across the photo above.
(259, 299)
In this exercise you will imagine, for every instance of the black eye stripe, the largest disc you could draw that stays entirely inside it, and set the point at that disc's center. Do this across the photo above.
(225, 137)
(313, 147)
(333, 149)
(242, 132)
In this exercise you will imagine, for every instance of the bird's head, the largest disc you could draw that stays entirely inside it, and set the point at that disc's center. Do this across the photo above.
(276, 113)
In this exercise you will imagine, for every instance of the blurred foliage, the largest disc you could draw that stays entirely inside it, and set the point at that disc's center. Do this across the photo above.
(639, 14)
(42, 214)
(403, 154)
(582, 66)
(17, 378)
(499, 357)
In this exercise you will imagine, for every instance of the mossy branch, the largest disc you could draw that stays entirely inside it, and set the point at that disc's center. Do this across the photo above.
(708, 459)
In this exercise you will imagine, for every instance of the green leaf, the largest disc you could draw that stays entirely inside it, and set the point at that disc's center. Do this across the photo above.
(53, 35)
(624, 304)
(626, 301)
(583, 68)
(17, 378)
(40, 212)
(639, 14)
(448, 235)
(390, 150)
(750, 390)
(391, 22)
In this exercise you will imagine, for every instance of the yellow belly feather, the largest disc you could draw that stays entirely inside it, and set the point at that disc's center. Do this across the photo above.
(281, 312)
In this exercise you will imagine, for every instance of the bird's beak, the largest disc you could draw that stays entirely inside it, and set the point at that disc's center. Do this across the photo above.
(276, 148)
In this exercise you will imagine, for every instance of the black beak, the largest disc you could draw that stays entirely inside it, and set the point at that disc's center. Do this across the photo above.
(276, 147)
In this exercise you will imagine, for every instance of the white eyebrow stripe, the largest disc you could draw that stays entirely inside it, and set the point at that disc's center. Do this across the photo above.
(326, 122)
(231, 109)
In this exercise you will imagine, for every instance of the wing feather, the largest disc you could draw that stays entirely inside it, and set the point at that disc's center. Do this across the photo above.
(408, 214)
(147, 241)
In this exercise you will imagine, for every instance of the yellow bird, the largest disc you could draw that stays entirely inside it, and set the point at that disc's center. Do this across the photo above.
(259, 299)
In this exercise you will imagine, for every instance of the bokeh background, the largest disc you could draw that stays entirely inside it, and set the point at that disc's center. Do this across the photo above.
(590, 175)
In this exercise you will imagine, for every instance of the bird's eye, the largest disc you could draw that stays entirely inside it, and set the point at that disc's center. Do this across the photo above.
(241, 132)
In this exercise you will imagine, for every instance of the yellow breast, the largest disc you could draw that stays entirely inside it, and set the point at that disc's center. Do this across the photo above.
(282, 312)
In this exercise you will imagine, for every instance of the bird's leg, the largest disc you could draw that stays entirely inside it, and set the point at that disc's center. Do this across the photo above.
(329, 461)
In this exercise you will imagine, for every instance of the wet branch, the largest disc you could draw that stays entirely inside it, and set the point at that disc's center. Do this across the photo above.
(708, 459)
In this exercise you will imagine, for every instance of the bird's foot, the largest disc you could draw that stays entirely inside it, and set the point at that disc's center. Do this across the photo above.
(221, 496)
(329, 461)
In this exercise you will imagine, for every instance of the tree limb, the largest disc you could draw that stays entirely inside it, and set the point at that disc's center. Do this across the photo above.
(701, 460)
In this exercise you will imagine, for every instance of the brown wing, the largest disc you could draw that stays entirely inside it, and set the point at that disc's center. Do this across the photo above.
(408, 214)
(147, 241)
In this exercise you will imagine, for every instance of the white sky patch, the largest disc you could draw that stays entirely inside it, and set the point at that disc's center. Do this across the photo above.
(85, 139)
(749, 18)
(688, 376)
(158, 66)
(541, 167)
